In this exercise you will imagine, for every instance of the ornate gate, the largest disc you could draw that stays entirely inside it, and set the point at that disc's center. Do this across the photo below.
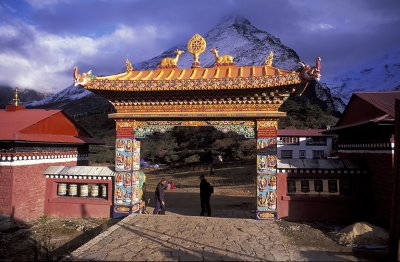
(243, 99)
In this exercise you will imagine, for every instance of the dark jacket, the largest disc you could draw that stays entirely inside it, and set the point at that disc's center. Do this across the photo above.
(205, 189)
(160, 194)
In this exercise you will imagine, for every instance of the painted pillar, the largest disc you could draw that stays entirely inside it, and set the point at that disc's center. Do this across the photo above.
(127, 164)
(266, 168)
(136, 177)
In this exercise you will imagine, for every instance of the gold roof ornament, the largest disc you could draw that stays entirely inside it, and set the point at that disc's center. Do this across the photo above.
(270, 58)
(129, 67)
(170, 62)
(196, 45)
(16, 98)
(224, 60)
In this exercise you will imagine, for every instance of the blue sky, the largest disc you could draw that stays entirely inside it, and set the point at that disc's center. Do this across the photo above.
(41, 40)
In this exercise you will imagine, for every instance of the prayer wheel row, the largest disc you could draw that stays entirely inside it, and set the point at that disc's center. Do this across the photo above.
(85, 189)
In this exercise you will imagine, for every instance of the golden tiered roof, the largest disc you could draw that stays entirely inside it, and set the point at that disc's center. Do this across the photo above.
(221, 77)
(224, 90)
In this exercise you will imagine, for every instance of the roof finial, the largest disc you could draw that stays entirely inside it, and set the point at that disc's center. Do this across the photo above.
(270, 58)
(16, 99)
(196, 45)
(129, 67)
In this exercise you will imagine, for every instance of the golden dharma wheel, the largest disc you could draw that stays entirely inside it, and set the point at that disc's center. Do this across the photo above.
(196, 45)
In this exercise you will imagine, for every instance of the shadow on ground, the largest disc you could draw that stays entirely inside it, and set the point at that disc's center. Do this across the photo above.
(185, 249)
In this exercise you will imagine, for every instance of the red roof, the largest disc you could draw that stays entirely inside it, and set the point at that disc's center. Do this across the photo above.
(382, 100)
(301, 132)
(40, 125)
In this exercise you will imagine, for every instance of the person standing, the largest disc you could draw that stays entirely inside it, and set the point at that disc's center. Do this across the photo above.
(160, 197)
(205, 193)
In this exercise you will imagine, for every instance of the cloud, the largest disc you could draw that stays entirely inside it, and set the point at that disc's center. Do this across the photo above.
(31, 58)
(42, 4)
(321, 27)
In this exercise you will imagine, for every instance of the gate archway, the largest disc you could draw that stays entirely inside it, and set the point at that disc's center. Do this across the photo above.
(243, 99)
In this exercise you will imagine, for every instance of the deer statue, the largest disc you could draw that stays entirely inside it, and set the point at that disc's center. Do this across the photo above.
(222, 60)
(170, 62)
(311, 72)
(82, 79)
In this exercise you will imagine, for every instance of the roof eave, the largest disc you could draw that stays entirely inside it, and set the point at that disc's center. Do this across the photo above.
(381, 119)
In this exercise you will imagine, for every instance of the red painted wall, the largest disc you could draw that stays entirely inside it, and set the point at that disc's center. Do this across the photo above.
(76, 207)
(6, 183)
(23, 190)
(28, 192)
(312, 208)
(376, 186)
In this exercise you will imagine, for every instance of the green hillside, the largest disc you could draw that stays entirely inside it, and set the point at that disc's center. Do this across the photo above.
(201, 144)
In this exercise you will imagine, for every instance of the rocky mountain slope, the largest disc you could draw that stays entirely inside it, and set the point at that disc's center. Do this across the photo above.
(374, 76)
(7, 94)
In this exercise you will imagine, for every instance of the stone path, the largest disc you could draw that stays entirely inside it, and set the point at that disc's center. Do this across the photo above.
(190, 238)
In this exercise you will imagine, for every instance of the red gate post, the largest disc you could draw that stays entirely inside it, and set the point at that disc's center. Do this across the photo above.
(127, 164)
(395, 216)
(266, 168)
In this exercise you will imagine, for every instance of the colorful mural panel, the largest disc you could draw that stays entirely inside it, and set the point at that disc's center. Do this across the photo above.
(136, 155)
(135, 191)
(124, 153)
(266, 169)
(122, 188)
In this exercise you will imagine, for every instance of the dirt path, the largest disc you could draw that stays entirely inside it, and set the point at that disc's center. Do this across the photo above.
(234, 192)
(189, 238)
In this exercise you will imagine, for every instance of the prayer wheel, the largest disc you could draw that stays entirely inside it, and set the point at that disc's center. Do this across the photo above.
(84, 190)
(62, 189)
(94, 191)
(73, 189)
(104, 191)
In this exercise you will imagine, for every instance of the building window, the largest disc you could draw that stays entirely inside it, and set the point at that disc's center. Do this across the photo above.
(332, 186)
(302, 154)
(316, 141)
(318, 185)
(286, 154)
(318, 154)
(311, 186)
(291, 186)
(288, 140)
(305, 186)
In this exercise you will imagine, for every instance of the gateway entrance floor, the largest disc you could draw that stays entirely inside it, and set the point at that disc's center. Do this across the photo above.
(190, 238)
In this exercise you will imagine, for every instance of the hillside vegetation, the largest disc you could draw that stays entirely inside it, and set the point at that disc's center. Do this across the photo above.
(201, 144)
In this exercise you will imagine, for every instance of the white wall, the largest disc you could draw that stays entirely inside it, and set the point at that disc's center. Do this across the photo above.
(308, 148)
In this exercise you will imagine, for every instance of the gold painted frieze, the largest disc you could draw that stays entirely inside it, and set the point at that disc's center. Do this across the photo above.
(194, 84)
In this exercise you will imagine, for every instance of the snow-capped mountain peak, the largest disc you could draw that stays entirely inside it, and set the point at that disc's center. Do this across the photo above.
(379, 75)
(234, 36)
(68, 94)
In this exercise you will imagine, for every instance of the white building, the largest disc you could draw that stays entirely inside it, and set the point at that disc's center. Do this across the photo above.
(304, 143)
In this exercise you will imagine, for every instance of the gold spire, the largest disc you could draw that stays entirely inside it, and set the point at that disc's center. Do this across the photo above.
(270, 58)
(129, 67)
(16, 99)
